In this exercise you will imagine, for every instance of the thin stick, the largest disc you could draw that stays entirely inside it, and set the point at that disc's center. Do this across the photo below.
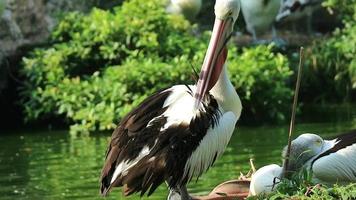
(294, 108)
(252, 166)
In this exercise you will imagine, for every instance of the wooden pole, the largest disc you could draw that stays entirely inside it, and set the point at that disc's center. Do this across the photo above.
(294, 108)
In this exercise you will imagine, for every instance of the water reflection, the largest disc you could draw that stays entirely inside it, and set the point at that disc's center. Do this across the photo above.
(53, 165)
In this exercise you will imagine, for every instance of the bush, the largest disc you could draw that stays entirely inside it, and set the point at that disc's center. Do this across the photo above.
(313, 192)
(261, 79)
(301, 186)
(98, 103)
(101, 65)
(346, 9)
(332, 72)
(85, 44)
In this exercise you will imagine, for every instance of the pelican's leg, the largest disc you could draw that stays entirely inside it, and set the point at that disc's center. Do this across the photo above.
(278, 41)
(254, 35)
(255, 40)
(274, 33)
(180, 193)
(184, 193)
(174, 194)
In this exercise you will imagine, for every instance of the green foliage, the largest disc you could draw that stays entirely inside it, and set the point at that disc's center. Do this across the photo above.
(101, 65)
(97, 103)
(332, 72)
(2, 7)
(85, 44)
(300, 186)
(314, 192)
(135, 28)
(345, 8)
(260, 77)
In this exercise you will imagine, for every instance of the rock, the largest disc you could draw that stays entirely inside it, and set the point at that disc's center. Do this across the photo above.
(29, 23)
(25, 24)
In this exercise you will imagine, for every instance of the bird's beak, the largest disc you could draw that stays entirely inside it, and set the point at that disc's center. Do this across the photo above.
(214, 58)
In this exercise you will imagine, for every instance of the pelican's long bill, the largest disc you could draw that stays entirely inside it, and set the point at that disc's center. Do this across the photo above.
(214, 58)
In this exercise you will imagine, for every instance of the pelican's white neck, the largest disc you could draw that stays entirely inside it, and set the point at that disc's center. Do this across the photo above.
(225, 93)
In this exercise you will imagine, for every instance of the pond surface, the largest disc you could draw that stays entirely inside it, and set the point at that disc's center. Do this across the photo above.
(54, 165)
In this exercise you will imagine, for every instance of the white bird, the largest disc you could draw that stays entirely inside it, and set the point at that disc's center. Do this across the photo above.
(188, 8)
(329, 161)
(260, 15)
(265, 179)
(293, 10)
(178, 133)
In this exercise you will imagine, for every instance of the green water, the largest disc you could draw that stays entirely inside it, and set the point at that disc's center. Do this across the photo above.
(54, 165)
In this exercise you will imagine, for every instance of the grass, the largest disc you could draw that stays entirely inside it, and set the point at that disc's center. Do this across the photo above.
(300, 187)
(315, 192)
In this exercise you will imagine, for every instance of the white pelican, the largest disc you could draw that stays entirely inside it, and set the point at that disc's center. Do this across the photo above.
(330, 162)
(293, 10)
(260, 15)
(265, 179)
(188, 8)
(177, 133)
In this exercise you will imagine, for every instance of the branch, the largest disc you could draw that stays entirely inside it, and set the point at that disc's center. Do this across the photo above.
(294, 108)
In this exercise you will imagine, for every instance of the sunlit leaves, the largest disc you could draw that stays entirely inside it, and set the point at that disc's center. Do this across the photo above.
(261, 78)
(334, 61)
(101, 65)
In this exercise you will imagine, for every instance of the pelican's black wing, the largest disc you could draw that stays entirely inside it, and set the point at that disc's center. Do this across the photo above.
(143, 152)
(132, 134)
(338, 164)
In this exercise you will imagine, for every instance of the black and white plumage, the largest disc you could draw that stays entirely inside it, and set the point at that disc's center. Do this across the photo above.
(296, 8)
(293, 10)
(330, 161)
(335, 162)
(155, 139)
(260, 15)
(188, 8)
(177, 133)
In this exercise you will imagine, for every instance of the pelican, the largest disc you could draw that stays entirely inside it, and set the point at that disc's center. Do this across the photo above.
(329, 161)
(188, 8)
(260, 15)
(177, 133)
(293, 10)
(265, 179)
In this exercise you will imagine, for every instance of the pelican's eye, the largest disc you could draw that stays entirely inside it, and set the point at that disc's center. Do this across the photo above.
(318, 142)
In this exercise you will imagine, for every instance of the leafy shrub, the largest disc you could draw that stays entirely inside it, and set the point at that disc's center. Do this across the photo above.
(313, 192)
(101, 65)
(346, 9)
(331, 74)
(96, 104)
(260, 77)
(135, 28)
(85, 44)
(301, 186)
(2, 7)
